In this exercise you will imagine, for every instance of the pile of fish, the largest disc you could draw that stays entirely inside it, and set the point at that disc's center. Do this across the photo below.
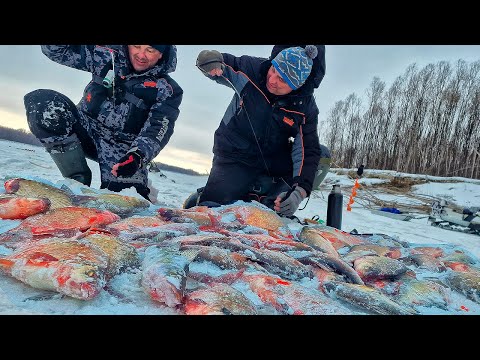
(238, 259)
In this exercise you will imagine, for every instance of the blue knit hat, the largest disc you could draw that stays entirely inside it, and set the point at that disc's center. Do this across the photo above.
(294, 64)
(160, 48)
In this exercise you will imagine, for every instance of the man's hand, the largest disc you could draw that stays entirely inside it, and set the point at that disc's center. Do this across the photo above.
(127, 165)
(210, 62)
(287, 203)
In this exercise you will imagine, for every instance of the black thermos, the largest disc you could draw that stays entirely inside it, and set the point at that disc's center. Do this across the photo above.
(334, 209)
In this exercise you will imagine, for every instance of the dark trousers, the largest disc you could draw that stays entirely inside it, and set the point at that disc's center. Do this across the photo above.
(231, 180)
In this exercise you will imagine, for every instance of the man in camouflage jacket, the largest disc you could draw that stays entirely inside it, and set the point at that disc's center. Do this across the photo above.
(124, 119)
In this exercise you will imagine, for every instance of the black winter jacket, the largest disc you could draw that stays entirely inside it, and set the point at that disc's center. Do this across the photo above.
(275, 119)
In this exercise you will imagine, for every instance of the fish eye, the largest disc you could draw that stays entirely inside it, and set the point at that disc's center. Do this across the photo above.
(91, 273)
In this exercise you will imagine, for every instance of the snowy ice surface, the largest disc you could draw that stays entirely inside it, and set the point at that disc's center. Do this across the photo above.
(21, 160)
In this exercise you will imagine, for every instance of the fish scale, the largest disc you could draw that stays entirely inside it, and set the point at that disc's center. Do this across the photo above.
(67, 266)
(165, 281)
(35, 189)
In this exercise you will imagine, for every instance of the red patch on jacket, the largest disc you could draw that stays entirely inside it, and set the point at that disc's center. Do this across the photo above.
(288, 121)
(150, 84)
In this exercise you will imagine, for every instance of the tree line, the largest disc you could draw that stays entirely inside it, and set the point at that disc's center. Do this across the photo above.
(18, 135)
(426, 122)
(25, 137)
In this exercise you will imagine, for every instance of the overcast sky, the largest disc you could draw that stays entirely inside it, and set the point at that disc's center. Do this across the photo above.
(350, 69)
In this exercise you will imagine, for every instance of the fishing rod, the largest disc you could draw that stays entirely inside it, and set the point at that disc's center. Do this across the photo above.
(252, 128)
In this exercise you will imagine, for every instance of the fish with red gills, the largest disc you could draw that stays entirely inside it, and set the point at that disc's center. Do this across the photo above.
(261, 217)
(36, 189)
(164, 274)
(67, 219)
(71, 267)
(200, 215)
(18, 207)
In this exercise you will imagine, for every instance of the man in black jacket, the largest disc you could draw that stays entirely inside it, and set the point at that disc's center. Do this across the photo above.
(266, 147)
(360, 170)
(125, 118)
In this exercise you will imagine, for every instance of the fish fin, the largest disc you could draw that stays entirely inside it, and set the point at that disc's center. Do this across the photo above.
(256, 266)
(230, 278)
(67, 190)
(190, 254)
(87, 191)
(48, 295)
(40, 259)
(5, 263)
(82, 199)
(214, 228)
(95, 230)
(8, 236)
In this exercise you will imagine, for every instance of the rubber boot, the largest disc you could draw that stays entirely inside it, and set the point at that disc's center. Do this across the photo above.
(70, 160)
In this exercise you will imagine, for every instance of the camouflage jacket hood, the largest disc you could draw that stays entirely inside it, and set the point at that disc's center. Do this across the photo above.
(167, 64)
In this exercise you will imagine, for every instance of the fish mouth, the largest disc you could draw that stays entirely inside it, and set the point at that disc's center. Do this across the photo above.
(84, 283)
(168, 295)
(82, 291)
(12, 186)
(166, 214)
(47, 203)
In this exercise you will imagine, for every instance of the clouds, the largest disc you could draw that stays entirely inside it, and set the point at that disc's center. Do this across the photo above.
(350, 68)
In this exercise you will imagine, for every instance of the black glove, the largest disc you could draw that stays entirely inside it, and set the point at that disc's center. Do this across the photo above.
(289, 201)
(208, 60)
(127, 165)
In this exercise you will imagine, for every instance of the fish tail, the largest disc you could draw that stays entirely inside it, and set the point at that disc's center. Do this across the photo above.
(67, 190)
(231, 277)
(214, 228)
(6, 237)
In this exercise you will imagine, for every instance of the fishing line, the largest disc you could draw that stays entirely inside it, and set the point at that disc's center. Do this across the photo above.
(248, 117)
(251, 126)
(113, 78)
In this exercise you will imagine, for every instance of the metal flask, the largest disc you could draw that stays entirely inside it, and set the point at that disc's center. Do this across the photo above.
(334, 209)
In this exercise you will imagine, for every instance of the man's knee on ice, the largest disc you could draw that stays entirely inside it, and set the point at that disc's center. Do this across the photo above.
(323, 166)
